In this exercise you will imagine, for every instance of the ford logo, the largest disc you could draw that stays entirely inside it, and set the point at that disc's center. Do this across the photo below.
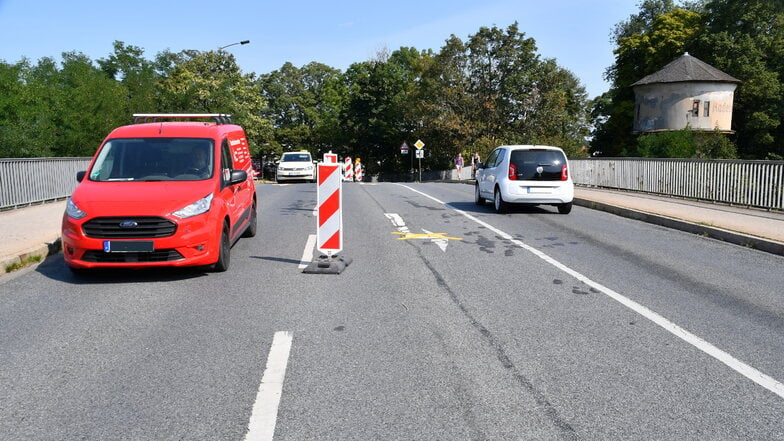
(128, 224)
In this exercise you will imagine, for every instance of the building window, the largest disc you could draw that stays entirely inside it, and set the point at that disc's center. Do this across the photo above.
(706, 109)
(695, 108)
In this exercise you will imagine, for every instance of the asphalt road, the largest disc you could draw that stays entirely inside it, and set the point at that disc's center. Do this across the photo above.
(451, 322)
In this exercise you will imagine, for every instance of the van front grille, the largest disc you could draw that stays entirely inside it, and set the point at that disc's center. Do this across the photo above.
(138, 227)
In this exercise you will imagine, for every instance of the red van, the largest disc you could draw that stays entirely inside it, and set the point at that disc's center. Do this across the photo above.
(164, 191)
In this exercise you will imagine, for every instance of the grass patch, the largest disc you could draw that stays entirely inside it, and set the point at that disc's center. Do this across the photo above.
(27, 261)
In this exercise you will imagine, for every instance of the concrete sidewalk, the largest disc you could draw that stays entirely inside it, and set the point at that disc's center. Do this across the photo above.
(35, 230)
(754, 228)
(29, 232)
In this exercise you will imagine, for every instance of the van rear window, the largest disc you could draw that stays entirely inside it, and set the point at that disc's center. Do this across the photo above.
(154, 159)
(538, 165)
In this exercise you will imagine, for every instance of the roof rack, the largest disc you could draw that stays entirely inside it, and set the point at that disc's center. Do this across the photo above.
(220, 118)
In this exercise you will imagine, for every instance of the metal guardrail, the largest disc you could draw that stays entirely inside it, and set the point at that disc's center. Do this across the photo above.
(28, 181)
(757, 184)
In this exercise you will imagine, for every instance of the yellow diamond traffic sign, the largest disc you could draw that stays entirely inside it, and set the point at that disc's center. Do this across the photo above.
(419, 144)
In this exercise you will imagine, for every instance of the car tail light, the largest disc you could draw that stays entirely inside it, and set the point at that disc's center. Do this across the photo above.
(512, 172)
(564, 173)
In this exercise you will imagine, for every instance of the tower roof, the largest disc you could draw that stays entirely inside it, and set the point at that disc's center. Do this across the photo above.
(687, 68)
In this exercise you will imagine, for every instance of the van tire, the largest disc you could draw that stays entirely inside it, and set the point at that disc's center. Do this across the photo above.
(224, 252)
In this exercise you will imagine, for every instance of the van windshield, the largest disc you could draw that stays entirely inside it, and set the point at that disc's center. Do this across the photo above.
(154, 159)
(295, 157)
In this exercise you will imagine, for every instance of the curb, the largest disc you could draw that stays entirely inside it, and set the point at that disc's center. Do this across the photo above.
(22, 258)
(733, 237)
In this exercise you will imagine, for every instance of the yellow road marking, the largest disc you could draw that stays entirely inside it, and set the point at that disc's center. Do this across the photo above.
(424, 236)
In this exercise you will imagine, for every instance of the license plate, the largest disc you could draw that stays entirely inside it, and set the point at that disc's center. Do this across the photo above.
(128, 246)
(543, 190)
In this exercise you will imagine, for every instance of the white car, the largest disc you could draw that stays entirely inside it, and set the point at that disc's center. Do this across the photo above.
(296, 166)
(525, 174)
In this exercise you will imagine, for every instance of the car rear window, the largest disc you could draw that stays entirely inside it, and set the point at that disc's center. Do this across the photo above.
(538, 165)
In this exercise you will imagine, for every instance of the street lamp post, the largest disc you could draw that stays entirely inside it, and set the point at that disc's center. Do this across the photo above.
(233, 44)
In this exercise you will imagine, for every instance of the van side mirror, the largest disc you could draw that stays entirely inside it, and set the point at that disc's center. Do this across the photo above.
(238, 176)
(80, 175)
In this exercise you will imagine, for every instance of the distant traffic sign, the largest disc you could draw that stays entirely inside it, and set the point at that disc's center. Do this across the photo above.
(419, 144)
(420, 153)
(404, 148)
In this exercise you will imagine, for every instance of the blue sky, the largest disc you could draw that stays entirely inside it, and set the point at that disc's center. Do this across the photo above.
(574, 32)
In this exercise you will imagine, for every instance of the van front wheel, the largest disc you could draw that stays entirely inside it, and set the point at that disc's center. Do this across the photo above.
(224, 254)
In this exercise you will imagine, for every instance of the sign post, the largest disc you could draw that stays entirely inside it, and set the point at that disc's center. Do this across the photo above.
(420, 154)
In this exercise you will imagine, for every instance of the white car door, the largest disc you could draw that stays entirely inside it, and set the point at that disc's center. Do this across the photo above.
(488, 176)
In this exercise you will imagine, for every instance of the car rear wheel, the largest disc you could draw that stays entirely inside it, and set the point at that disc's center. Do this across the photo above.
(478, 199)
(565, 208)
(498, 202)
(224, 254)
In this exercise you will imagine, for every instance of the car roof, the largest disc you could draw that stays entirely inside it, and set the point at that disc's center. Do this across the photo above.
(531, 147)
(166, 129)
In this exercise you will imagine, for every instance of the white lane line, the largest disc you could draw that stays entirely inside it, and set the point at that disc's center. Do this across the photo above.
(733, 363)
(307, 254)
(265, 410)
(398, 222)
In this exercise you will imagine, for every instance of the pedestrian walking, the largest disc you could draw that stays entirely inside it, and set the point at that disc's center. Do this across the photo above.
(459, 165)
(475, 160)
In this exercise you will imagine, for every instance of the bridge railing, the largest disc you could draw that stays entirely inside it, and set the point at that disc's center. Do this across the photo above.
(26, 181)
(748, 183)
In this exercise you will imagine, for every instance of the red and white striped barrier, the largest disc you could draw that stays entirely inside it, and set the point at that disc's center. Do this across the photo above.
(358, 171)
(329, 237)
(348, 170)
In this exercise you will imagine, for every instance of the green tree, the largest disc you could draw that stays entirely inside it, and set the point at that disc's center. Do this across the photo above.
(87, 106)
(57, 111)
(446, 113)
(17, 113)
(371, 116)
(745, 38)
(495, 89)
(136, 74)
(211, 82)
(303, 106)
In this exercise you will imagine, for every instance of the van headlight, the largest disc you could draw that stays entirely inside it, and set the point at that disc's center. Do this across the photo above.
(73, 211)
(198, 207)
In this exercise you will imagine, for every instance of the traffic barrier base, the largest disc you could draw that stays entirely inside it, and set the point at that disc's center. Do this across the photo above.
(328, 265)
